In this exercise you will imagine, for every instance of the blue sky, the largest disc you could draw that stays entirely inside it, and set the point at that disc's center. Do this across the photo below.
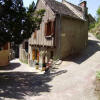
(92, 4)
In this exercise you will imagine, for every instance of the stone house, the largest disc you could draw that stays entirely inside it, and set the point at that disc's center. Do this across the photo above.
(23, 51)
(63, 31)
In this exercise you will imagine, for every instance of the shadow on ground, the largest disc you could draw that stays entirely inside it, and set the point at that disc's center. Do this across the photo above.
(91, 49)
(16, 85)
(11, 66)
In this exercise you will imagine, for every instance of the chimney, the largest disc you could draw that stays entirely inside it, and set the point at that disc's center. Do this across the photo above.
(83, 5)
(63, 1)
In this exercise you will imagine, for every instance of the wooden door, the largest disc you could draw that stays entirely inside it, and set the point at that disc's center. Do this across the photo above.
(37, 56)
(33, 54)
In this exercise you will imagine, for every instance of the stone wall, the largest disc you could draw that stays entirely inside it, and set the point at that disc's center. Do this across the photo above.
(23, 55)
(74, 36)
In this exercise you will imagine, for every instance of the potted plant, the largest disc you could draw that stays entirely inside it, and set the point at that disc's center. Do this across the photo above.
(98, 81)
(37, 65)
(43, 66)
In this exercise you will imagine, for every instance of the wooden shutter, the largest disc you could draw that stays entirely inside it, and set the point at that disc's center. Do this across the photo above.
(45, 29)
(53, 27)
(33, 55)
(37, 56)
(48, 29)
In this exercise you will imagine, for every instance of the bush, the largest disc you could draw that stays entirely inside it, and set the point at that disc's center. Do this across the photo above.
(98, 36)
(98, 75)
(91, 26)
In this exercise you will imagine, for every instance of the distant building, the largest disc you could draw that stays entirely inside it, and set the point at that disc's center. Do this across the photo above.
(63, 31)
(23, 51)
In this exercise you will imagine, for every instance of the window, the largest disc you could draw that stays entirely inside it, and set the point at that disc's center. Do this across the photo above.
(49, 28)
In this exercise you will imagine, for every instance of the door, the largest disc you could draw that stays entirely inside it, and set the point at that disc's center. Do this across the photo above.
(37, 56)
(33, 54)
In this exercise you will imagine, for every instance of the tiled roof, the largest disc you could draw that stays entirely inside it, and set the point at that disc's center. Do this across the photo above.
(61, 8)
(75, 6)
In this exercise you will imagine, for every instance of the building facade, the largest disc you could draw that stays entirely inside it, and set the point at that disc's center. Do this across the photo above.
(63, 31)
(23, 51)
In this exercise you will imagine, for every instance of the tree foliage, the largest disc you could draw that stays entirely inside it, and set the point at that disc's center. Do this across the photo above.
(98, 13)
(16, 22)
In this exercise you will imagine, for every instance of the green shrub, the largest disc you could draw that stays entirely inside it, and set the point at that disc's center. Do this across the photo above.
(98, 75)
(98, 36)
(91, 26)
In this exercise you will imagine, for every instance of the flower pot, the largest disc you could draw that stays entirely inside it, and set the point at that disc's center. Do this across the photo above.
(43, 68)
(37, 66)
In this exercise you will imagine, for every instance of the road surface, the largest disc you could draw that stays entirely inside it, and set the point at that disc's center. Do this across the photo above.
(72, 80)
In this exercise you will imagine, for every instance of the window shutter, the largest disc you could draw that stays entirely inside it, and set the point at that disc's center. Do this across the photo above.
(45, 29)
(49, 28)
(37, 56)
(33, 55)
(53, 27)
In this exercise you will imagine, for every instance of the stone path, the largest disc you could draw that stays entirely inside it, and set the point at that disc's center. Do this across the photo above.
(72, 80)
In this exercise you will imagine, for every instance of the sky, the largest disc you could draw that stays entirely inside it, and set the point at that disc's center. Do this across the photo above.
(91, 4)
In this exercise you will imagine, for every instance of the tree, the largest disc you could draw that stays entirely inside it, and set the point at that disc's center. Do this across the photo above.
(98, 13)
(16, 22)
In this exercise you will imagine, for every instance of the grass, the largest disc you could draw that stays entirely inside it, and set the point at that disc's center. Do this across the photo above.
(98, 36)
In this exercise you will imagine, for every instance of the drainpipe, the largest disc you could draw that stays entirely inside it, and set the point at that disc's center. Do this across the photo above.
(60, 37)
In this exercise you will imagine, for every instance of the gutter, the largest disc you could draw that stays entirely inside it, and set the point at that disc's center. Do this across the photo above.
(60, 37)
